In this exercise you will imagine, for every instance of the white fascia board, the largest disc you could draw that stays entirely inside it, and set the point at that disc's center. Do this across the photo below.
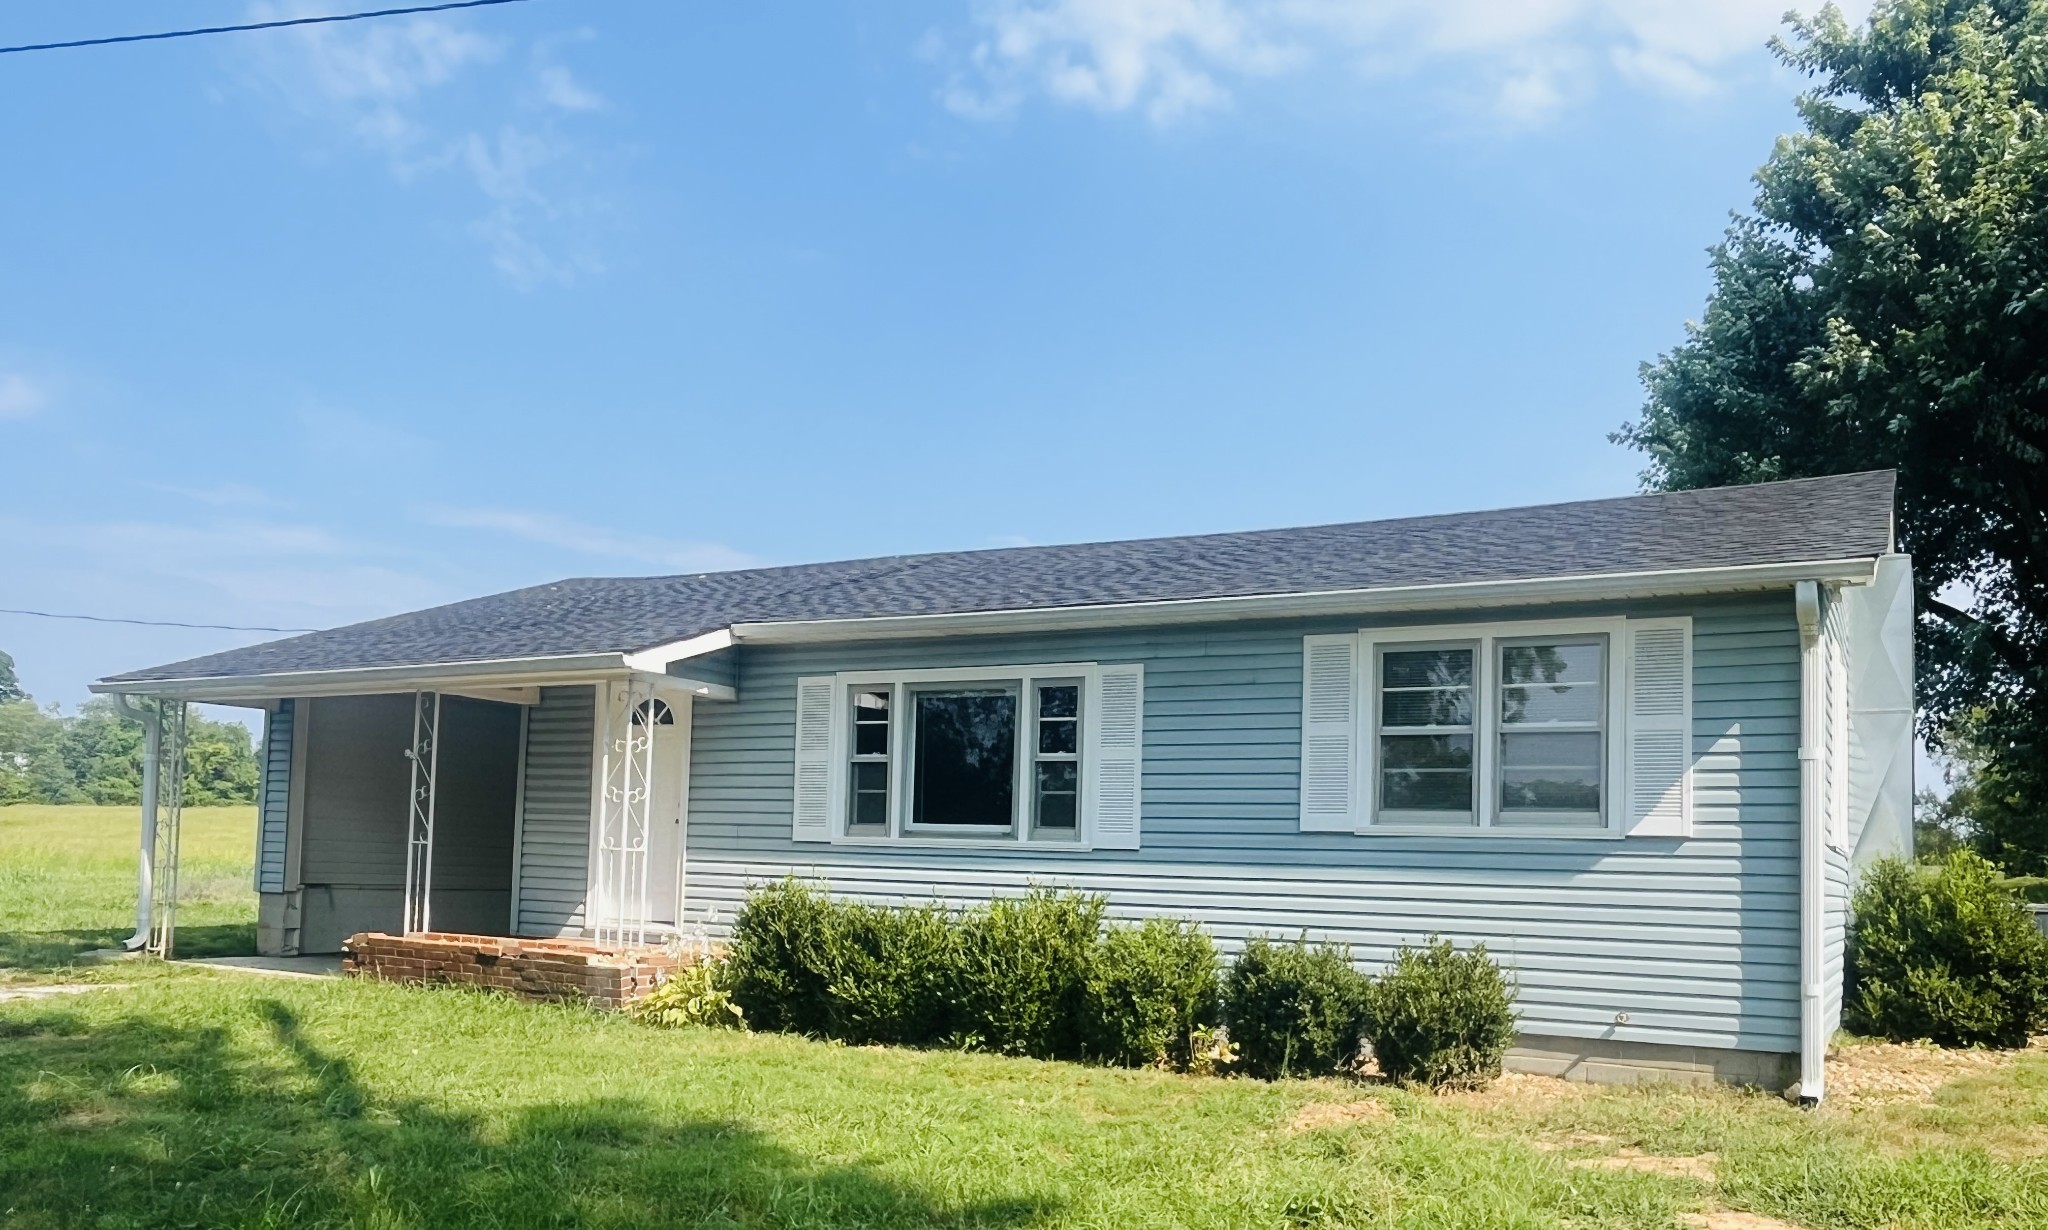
(672, 686)
(1470, 595)
(657, 658)
(370, 680)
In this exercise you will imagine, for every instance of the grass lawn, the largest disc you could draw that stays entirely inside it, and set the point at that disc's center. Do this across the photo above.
(193, 1098)
(67, 882)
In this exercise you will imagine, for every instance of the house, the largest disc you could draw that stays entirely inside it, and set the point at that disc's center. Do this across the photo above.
(1637, 746)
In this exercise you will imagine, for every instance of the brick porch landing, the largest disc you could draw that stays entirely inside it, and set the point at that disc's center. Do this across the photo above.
(557, 969)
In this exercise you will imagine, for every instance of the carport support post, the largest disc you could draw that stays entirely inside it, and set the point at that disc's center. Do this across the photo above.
(425, 754)
(145, 874)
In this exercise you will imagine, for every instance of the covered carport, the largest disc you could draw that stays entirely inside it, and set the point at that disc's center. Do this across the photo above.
(392, 796)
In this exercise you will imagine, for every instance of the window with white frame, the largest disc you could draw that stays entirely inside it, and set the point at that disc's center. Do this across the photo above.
(1491, 731)
(1564, 728)
(1552, 733)
(988, 755)
(1427, 720)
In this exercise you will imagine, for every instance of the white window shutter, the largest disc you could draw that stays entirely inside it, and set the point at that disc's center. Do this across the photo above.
(1115, 719)
(1657, 800)
(1329, 734)
(816, 714)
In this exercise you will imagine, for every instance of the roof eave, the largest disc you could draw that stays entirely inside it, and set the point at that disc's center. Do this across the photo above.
(1589, 587)
(410, 677)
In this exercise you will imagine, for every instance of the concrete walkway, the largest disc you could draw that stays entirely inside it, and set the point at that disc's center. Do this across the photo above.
(276, 967)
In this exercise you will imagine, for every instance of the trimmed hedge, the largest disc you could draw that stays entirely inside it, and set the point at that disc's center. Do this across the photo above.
(1021, 978)
(888, 973)
(1947, 954)
(777, 968)
(1036, 975)
(1295, 1009)
(1441, 1018)
(1040, 976)
(1152, 992)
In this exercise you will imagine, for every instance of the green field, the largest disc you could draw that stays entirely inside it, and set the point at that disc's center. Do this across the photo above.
(67, 881)
(194, 1098)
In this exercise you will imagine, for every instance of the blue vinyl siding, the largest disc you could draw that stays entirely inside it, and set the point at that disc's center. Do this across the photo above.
(273, 807)
(554, 825)
(1696, 940)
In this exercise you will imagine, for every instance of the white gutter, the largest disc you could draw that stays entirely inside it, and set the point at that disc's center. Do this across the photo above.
(499, 679)
(145, 875)
(1813, 1043)
(1589, 587)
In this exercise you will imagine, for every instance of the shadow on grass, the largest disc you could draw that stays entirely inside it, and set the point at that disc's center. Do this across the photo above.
(43, 951)
(146, 1123)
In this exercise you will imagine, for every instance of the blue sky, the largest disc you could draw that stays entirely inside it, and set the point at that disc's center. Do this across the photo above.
(304, 327)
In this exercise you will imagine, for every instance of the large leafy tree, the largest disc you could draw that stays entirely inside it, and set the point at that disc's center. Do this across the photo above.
(1885, 304)
(10, 685)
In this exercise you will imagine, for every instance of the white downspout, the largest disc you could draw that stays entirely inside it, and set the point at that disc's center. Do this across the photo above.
(145, 876)
(1812, 889)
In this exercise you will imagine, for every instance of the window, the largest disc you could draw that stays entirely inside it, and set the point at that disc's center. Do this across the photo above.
(868, 779)
(1485, 728)
(982, 754)
(1426, 727)
(1553, 699)
(1056, 768)
(964, 758)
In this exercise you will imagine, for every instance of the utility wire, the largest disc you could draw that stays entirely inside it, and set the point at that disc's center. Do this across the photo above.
(257, 25)
(151, 623)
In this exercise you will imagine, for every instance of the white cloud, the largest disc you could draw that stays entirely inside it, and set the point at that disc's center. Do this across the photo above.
(1526, 59)
(586, 539)
(559, 88)
(20, 397)
(383, 85)
(509, 170)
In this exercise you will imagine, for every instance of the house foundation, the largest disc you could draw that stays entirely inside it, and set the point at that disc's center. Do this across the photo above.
(1611, 1061)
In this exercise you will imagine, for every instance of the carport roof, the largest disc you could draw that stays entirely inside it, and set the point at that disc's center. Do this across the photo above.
(1842, 517)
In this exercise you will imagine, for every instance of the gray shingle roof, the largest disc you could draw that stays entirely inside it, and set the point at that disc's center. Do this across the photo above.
(1842, 517)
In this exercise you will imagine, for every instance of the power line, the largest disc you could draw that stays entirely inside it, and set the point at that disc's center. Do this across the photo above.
(257, 25)
(150, 623)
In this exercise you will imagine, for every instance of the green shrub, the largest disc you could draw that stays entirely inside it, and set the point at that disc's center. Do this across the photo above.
(1946, 954)
(1152, 992)
(888, 973)
(698, 994)
(1441, 1018)
(779, 973)
(1020, 985)
(1294, 1009)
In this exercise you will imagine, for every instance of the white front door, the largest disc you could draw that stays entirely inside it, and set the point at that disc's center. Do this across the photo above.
(666, 800)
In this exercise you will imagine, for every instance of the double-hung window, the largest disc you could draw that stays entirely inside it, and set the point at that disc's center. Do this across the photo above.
(1509, 727)
(1025, 754)
(1427, 721)
(1552, 738)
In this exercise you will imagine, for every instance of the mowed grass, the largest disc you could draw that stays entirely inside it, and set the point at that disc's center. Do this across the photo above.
(194, 1098)
(67, 882)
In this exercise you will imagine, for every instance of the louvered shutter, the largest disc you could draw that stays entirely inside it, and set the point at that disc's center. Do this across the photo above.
(1658, 796)
(1329, 734)
(1115, 720)
(811, 817)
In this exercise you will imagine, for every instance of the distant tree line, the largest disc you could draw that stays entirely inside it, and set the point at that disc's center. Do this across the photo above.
(95, 755)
